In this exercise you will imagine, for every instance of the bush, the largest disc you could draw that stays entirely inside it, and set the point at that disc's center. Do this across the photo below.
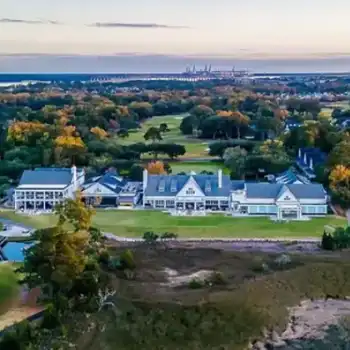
(283, 260)
(127, 260)
(217, 279)
(195, 284)
(150, 237)
(169, 235)
(104, 257)
(327, 241)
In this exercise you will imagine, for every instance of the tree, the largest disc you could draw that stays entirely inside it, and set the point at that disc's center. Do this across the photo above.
(100, 133)
(61, 262)
(340, 155)
(163, 127)
(340, 187)
(156, 168)
(153, 134)
(239, 120)
(123, 133)
(235, 160)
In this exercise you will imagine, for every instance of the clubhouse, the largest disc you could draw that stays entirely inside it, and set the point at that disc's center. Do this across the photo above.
(287, 197)
(193, 193)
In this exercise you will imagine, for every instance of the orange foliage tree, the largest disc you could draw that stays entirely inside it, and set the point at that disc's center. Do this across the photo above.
(99, 132)
(23, 132)
(339, 180)
(156, 168)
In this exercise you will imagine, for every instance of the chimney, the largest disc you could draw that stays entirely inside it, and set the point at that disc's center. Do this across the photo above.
(145, 179)
(74, 178)
(305, 158)
(299, 155)
(220, 178)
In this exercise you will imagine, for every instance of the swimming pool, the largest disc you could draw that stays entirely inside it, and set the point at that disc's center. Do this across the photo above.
(13, 251)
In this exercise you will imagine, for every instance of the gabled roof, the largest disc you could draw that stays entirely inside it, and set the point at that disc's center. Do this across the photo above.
(290, 177)
(46, 176)
(271, 191)
(110, 180)
(203, 182)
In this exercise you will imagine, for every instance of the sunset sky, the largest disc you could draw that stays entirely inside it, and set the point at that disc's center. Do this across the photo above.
(254, 29)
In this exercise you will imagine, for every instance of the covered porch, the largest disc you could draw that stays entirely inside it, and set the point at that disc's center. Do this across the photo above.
(289, 212)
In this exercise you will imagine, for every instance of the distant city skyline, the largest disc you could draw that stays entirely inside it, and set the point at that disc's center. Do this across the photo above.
(226, 30)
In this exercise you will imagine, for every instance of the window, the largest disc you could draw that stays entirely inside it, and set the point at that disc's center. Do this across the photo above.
(262, 209)
(170, 204)
(190, 191)
(312, 210)
(161, 186)
(207, 186)
(253, 209)
(173, 186)
(159, 204)
(286, 198)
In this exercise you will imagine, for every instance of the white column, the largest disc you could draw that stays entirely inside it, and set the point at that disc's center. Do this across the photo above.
(15, 198)
(44, 200)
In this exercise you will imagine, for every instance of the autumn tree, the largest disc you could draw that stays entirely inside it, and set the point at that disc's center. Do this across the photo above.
(239, 120)
(61, 262)
(100, 133)
(156, 168)
(339, 183)
(26, 133)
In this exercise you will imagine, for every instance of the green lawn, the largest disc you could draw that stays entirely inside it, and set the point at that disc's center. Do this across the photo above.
(135, 223)
(8, 286)
(194, 147)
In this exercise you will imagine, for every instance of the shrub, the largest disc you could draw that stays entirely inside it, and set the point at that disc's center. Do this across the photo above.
(169, 235)
(127, 260)
(217, 279)
(195, 283)
(104, 257)
(327, 241)
(150, 237)
(283, 260)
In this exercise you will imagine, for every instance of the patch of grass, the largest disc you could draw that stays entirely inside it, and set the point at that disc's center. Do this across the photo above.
(205, 318)
(135, 223)
(194, 147)
(8, 286)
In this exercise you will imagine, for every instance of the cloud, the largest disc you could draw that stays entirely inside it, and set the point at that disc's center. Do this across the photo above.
(134, 25)
(25, 21)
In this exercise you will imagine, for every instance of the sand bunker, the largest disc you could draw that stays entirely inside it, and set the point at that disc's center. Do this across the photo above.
(176, 280)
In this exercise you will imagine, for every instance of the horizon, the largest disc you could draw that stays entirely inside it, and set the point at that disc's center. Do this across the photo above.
(142, 64)
(290, 35)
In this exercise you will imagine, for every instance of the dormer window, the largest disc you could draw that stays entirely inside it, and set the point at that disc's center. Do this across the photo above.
(207, 186)
(190, 191)
(161, 186)
(173, 186)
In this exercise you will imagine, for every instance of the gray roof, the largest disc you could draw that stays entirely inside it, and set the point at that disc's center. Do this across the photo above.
(47, 176)
(174, 183)
(272, 191)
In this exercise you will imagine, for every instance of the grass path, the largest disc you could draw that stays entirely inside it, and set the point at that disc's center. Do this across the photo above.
(135, 223)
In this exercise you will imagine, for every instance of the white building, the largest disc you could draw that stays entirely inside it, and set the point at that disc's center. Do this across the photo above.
(191, 193)
(43, 188)
(110, 190)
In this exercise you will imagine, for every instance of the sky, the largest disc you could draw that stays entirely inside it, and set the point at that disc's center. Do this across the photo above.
(224, 31)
